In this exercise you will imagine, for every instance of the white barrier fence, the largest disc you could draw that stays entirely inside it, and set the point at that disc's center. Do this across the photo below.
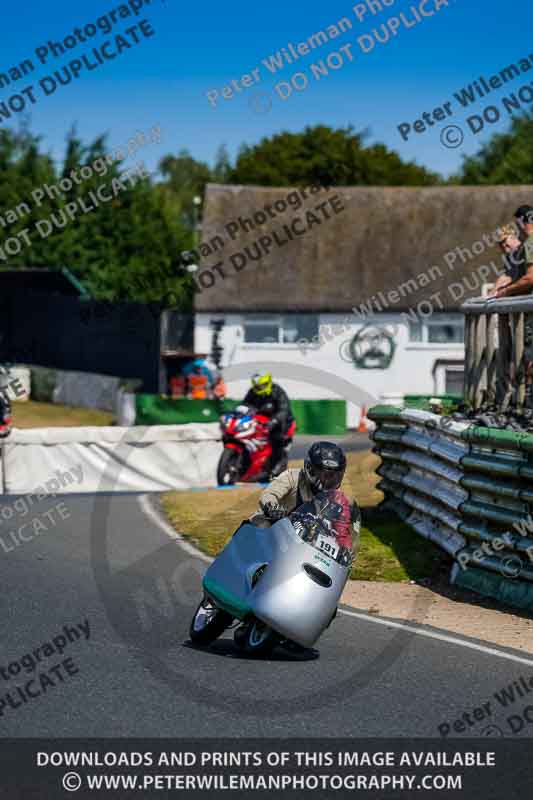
(73, 460)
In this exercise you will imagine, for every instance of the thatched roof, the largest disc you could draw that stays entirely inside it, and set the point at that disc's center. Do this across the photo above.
(383, 238)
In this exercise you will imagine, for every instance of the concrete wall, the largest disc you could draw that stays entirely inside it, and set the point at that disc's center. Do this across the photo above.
(86, 390)
(83, 389)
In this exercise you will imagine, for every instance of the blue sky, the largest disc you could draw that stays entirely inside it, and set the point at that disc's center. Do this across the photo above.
(199, 47)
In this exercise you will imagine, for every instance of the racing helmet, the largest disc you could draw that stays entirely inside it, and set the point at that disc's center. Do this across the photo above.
(262, 384)
(324, 466)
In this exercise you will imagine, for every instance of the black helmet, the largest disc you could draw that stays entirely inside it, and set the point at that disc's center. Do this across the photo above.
(324, 466)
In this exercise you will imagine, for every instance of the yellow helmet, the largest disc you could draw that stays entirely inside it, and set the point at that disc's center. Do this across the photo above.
(262, 384)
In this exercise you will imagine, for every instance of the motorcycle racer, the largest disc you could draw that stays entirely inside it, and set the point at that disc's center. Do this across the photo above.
(323, 470)
(270, 399)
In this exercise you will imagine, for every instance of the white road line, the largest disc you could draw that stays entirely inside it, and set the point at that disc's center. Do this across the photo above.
(440, 636)
(166, 527)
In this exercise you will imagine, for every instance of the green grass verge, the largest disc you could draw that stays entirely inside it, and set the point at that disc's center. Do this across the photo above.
(32, 414)
(390, 550)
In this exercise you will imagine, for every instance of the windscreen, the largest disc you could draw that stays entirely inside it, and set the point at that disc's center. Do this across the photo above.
(326, 517)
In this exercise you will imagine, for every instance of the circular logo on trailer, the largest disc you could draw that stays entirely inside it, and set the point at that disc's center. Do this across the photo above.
(372, 347)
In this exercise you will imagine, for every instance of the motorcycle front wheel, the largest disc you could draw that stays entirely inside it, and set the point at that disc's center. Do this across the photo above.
(228, 467)
(208, 623)
(256, 639)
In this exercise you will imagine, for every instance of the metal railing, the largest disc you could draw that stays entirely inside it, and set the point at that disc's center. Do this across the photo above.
(495, 367)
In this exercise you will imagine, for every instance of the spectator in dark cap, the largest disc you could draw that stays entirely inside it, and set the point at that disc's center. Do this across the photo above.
(524, 216)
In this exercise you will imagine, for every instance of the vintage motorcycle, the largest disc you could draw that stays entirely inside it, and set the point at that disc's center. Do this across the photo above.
(283, 583)
(247, 447)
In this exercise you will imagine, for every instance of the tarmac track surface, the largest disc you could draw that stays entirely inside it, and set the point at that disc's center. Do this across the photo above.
(111, 563)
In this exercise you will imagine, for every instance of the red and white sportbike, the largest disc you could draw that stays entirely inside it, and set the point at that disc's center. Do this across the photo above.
(247, 447)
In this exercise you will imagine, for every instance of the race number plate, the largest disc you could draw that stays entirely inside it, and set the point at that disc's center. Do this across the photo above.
(327, 545)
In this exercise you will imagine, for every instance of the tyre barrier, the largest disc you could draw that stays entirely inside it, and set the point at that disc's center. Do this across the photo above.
(468, 489)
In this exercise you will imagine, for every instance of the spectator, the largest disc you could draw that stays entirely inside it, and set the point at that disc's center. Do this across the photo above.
(508, 242)
(523, 216)
(199, 379)
(520, 260)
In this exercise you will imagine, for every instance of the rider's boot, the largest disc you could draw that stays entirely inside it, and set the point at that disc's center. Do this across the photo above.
(278, 459)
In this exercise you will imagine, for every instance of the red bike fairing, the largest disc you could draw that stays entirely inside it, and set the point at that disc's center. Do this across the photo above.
(5, 426)
(254, 441)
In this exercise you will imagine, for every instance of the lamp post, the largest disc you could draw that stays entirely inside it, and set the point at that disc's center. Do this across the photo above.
(197, 202)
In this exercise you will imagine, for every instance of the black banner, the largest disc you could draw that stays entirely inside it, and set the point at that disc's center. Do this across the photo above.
(374, 768)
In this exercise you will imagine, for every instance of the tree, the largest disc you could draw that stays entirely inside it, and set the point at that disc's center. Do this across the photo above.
(506, 159)
(23, 168)
(222, 169)
(185, 178)
(321, 155)
(127, 248)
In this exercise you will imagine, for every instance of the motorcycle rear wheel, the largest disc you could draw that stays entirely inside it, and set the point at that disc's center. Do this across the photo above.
(228, 467)
(208, 623)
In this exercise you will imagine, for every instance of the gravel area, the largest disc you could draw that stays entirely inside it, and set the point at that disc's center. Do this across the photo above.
(444, 607)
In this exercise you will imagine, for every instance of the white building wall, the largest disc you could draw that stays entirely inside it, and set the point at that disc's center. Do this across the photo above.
(410, 371)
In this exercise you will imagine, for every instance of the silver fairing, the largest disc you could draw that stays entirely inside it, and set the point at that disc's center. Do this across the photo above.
(287, 597)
